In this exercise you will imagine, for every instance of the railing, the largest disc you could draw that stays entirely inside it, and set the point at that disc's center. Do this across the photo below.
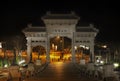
(97, 72)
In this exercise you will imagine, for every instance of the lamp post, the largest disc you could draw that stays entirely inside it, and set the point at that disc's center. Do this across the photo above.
(107, 52)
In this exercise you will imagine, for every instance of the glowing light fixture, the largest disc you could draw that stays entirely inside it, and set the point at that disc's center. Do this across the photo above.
(116, 65)
(5, 65)
(87, 48)
(22, 61)
(75, 47)
(104, 46)
(102, 62)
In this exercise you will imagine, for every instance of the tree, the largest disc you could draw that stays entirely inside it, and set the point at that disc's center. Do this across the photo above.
(16, 43)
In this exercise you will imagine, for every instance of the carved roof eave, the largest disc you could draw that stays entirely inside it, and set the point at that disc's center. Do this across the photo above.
(87, 29)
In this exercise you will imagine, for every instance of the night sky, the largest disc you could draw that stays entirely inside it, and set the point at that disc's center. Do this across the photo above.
(15, 15)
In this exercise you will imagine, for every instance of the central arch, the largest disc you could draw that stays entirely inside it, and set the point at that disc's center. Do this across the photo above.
(60, 48)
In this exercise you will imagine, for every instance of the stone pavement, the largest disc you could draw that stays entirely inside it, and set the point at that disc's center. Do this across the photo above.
(59, 71)
(56, 71)
(13, 73)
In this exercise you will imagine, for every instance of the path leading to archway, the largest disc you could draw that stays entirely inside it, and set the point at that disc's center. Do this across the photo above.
(59, 71)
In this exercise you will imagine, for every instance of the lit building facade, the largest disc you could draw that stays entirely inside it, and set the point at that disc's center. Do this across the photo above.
(63, 25)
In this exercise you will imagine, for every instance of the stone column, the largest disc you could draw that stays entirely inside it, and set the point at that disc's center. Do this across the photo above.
(28, 49)
(92, 53)
(48, 49)
(73, 50)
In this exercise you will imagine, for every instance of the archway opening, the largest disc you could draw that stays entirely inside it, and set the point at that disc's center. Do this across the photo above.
(82, 52)
(60, 49)
(39, 53)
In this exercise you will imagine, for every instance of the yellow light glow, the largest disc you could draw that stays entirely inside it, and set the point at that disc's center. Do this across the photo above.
(58, 37)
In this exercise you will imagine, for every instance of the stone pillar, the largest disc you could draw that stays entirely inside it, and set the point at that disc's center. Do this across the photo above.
(73, 50)
(28, 49)
(48, 49)
(92, 53)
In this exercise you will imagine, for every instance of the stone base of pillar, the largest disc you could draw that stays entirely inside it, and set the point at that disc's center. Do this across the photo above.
(82, 62)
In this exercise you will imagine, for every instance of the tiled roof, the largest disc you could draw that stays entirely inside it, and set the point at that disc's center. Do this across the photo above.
(60, 16)
(35, 29)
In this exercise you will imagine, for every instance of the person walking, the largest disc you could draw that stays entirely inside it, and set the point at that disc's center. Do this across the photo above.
(9, 77)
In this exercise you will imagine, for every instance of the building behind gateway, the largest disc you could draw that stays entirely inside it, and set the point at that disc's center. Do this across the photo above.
(65, 26)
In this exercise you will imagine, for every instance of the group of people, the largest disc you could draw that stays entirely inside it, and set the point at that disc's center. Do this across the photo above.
(21, 72)
(26, 72)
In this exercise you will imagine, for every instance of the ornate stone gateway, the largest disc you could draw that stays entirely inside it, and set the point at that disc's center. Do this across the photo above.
(62, 26)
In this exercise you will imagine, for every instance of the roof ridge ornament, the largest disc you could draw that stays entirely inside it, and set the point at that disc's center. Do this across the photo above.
(29, 25)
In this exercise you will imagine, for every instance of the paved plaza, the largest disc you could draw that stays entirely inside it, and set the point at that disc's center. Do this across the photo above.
(55, 71)
(59, 71)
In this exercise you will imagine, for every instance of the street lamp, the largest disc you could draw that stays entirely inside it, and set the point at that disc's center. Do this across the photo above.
(106, 50)
(104, 46)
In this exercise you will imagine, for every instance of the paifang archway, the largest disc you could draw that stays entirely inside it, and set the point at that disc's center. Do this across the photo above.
(63, 25)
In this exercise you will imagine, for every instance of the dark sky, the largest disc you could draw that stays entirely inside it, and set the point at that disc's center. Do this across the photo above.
(15, 15)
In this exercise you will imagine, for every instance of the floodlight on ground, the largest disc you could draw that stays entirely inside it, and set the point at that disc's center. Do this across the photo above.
(5, 65)
(116, 65)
